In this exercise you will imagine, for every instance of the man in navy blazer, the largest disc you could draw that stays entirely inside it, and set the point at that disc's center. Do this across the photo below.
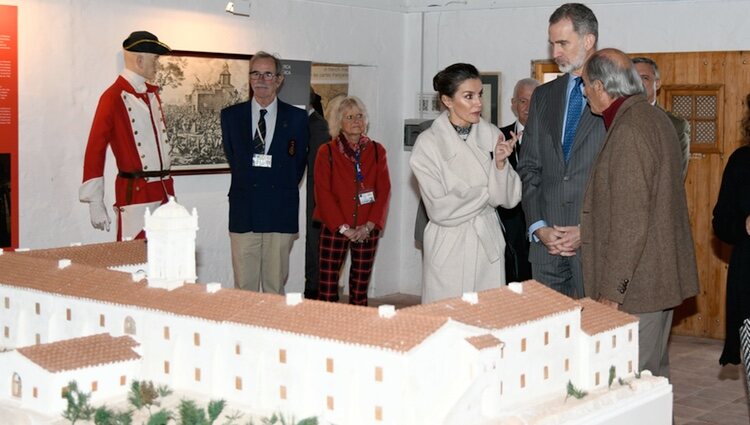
(265, 141)
(560, 142)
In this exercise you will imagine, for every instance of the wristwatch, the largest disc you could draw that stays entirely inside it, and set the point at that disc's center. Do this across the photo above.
(343, 228)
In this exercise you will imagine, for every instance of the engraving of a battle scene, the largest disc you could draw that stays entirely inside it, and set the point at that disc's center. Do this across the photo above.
(194, 90)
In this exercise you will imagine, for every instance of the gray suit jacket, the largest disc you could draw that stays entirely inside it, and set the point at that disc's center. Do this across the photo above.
(552, 189)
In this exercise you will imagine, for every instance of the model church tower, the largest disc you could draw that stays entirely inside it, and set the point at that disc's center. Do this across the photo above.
(171, 232)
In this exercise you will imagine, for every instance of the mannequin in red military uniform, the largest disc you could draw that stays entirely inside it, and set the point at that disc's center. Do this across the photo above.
(129, 119)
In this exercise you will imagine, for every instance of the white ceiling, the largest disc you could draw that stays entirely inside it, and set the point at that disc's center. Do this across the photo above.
(409, 6)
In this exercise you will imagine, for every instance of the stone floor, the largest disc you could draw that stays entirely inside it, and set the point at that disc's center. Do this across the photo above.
(705, 393)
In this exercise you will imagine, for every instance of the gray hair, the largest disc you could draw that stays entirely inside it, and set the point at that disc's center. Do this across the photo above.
(265, 55)
(648, 61)
(583, 19)
(619, 79)
(525, 82)
(336, 109)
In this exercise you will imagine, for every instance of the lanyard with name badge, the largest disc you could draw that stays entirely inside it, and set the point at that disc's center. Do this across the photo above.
(366, 196)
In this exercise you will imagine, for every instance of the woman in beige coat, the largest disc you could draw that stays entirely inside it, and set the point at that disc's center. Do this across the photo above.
(461, 165)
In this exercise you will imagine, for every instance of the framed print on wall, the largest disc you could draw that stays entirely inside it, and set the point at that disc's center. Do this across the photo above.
(195, 87)
(491, 97)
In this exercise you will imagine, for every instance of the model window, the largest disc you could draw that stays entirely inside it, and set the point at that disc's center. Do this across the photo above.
(129, 326)
(16, 386)
(329, 365)
(37, 309)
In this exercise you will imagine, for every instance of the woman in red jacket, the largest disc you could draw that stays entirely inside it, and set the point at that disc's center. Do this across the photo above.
(352, 189)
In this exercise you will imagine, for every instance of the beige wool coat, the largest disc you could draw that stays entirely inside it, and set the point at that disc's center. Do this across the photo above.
(637, 246)
(461, 187)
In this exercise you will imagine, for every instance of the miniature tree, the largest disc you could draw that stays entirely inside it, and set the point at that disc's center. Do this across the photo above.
(281, 420)
(79, 407)
(575, 392)
(161, 417)
(106, 416)
(611, 376)
(233, 418)
(191, 414)
(145, 394)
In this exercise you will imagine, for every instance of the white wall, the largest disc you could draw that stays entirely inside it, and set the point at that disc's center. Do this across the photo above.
(69, 53)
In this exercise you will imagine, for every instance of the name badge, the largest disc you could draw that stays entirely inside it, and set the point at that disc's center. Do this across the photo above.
(367, 197)
(260, 160)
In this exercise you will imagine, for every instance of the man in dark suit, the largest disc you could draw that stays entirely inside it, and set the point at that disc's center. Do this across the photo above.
(649, 72)
(517, 266)
(265, 141)
(637, 247)
(318, 137)
(561, 140)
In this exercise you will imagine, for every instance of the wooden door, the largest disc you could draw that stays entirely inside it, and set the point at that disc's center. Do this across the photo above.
(729, 73)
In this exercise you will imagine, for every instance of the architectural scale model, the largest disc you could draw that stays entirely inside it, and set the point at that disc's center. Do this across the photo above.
(103, 315)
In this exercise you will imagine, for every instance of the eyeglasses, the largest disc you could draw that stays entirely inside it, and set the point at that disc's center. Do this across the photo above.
(354, 117)
(256, 75)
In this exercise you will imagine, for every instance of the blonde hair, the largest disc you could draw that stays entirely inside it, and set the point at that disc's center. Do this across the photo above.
(336, 109)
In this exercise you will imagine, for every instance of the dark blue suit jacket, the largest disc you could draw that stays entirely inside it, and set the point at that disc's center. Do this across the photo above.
(265, 200)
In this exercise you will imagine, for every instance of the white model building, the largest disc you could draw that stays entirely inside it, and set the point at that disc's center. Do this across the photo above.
(74, 314)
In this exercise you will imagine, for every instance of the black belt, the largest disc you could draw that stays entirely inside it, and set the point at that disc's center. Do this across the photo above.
(142, 174)
(138, 175)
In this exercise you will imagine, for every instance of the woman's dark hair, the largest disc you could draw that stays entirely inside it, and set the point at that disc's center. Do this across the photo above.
(746, 122)
(446, 82)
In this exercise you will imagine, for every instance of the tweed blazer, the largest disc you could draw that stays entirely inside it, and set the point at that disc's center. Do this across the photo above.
(636, 240)
(552, 189)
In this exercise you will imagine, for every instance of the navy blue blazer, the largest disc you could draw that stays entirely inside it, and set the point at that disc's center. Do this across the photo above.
(265, 200)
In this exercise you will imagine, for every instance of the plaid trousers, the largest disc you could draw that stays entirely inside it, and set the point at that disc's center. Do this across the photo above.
(333, 249)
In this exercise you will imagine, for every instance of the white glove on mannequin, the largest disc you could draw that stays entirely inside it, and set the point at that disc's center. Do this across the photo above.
(99, 217)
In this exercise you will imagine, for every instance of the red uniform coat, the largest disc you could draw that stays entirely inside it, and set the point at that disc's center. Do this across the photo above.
(132, 124)
(336, 187)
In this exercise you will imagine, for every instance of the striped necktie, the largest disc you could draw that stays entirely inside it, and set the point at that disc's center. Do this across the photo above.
(259, 141)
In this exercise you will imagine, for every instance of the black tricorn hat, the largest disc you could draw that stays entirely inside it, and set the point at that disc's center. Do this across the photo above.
(145, 42)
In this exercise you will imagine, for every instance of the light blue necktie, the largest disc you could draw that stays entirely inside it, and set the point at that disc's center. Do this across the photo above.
(575, 105)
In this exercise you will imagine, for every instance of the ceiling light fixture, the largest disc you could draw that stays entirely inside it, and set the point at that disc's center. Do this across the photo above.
(238, 8)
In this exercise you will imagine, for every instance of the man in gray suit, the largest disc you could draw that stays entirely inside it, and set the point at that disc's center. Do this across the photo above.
(649, 72)
(561, 140)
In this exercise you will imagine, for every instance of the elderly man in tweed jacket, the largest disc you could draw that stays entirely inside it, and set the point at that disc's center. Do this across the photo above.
(637, 247)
